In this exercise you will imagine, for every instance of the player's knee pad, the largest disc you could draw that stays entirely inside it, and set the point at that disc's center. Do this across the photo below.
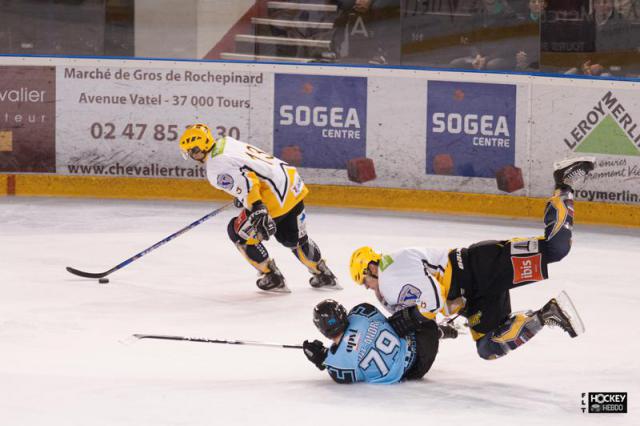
(517, 330)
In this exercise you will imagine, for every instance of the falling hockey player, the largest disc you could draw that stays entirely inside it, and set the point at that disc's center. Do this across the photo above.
(415, 283)
(271, 193)
(368, 348)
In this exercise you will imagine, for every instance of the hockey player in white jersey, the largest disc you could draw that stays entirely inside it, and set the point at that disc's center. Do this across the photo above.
(271, 193)
(415, 284)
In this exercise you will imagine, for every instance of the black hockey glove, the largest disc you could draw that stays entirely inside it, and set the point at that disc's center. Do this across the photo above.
(447, 332)
(407, 321)
(315, 352)
(261, 222)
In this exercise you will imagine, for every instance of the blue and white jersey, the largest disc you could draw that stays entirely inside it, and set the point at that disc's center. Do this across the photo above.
(370, 350)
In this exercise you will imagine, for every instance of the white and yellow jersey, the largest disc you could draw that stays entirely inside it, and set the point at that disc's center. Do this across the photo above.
(250, 174)
(415, 276)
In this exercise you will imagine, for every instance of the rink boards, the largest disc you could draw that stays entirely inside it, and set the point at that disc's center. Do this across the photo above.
(394, 138)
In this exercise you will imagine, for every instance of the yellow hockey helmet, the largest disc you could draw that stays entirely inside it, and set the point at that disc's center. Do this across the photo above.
(195, 139)
(360, 260)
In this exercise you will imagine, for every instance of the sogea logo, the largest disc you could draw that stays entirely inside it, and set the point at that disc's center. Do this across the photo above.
(486, 130)
(323, 119)
(336, 121)
(471, 128)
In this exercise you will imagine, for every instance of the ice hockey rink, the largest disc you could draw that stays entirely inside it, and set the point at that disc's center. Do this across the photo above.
(67, 356)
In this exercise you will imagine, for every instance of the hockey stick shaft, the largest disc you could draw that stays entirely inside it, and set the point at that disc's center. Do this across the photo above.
(228, 342)
(147, 250)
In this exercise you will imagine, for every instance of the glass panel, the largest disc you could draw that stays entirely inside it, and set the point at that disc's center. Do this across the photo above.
(568, 35)
(472, 34)
(368, 32)
(617, 38)
(66, 27)
(596, 37)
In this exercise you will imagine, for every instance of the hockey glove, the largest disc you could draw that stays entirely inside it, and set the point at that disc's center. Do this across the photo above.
(315, 352)
(407, 321)
(237, 203)
(447, 332)
(261, 222)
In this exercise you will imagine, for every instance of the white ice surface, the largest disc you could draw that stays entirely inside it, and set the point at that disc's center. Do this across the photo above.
(66, 357)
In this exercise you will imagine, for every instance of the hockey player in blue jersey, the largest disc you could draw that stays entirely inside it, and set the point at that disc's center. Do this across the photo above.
(367, 348)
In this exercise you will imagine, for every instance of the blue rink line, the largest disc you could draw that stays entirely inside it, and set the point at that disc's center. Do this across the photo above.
(322, 64)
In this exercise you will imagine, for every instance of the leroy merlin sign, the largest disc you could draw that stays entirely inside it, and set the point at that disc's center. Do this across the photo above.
(606, 129)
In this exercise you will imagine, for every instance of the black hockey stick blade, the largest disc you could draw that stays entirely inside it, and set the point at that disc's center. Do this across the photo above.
(201, 340)
(87, 274)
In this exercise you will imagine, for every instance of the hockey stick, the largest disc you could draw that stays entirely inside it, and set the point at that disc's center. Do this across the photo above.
(450, 321)
(148, 250)
(229, 342)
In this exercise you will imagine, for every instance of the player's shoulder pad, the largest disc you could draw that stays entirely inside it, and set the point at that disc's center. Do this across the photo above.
(364, 309)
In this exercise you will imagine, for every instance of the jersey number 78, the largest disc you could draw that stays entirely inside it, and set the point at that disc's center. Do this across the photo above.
(386, 343)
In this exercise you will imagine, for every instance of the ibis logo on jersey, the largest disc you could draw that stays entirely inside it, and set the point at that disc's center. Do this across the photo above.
(27, 119)
(322, 116)
(527, 268)
(471, 128)
(607, 128)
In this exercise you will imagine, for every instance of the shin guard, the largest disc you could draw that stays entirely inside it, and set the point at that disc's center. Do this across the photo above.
(309, 254)
(558, 214)
(558, 220)
(517, 330)
(256, 254)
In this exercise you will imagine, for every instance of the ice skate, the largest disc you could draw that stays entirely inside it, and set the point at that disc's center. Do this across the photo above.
(324, 278)
(272, 281)
(560, 312)
(568, 171)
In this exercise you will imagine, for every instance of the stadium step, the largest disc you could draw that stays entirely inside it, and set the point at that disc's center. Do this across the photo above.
(282, 41)
(311, 7)
(263, 58)
(284, 23)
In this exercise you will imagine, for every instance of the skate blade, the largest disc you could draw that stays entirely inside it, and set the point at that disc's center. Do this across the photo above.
(283, 289)
(328, 287)
(567, 306)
